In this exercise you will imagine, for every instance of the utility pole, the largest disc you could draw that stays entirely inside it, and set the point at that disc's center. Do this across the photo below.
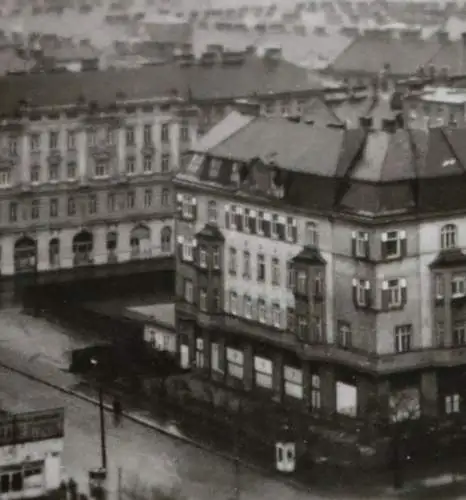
(236, 463)
(103, 442)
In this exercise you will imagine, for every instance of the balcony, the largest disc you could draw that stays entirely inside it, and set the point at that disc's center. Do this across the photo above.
(384, 364)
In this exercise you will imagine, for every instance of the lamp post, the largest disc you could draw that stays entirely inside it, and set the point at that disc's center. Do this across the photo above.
(103, 441)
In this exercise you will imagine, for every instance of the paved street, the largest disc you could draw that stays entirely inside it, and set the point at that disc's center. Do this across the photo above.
(40, 349)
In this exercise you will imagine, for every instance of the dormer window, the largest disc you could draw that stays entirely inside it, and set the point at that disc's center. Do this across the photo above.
(214, 168)
(202, 257)
(448, 237)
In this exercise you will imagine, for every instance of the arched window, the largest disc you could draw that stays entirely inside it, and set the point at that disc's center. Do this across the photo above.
(311, 235)
(83, 243)
(140, 242)
(54, 253)
(166, 239)
(25, 254)
(112, 243)
(448, 237)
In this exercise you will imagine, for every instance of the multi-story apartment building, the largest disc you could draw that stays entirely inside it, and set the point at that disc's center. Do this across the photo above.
(324, 267)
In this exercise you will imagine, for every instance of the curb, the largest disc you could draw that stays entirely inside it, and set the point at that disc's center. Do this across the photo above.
(158, 428)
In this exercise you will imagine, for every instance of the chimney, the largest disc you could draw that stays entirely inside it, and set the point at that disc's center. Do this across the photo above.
(366, 122)
(443, 37)
(389, 125)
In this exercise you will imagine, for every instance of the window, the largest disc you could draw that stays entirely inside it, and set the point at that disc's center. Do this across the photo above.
(290, 229)
(203, 299)
(235, 363)
(148, 193)
(53, 207)
(188, 253)
(303, 327)
(130, 199)
(457, 286)
(361, 292)
(290, 319)
(448, 237)
(311, 235)
(147, 164)
(317, 330)
(101, 169)
(53, 172)
(71, 170)
(247, 307)
(394, 294)
(199, 352)
(232, 261)
(110, 139)
(111, 202)
(53, 140)
(290, 275)
(164, 132)
(216, 304)
(315, 400)
(212, 212)
(216, 358)
(71, 206)
(147, 135)
(130, 165)
(165, 197)
(459, 333)
(35, 209)
(393, 244)
(318, 285)
(71, 140)
(91, 138)
(233, 303)
(188, 207)
(274, 227)
(293, 382)
(165, 167)
(188, 291)
(360, 244)
(262, 311)
(13, 211)
(184, 131)
(260, 223)
(439, 286)
(276, 315)
(301, 282)
(5, 177)
(92, 204)
(34, 140)
(214, 170)
(403, 336)
(216, 258)
(246, 265)
(130, 136)
(263, 372)
(440, 334)
(275, 272)
(260, 268)
(35, 174)
(452, 403)
(344, 336)
(13, 146)
(203, 257)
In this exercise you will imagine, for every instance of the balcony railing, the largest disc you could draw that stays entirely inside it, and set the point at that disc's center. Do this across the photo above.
(359, 359)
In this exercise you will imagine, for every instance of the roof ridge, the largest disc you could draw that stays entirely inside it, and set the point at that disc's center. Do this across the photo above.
(237, 131)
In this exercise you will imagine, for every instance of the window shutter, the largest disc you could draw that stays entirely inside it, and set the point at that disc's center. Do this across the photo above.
(383, 246)
(253, 309)
(291, 326)
(367, 247)
(281, 231)
(404, 292)
(385, 296)
(239, 221)
(353, 244)
(252, 222)
(355, 292)
(221, 358)
(368, 294)
(179, 251)
(403, 244)
(227, 217)
(295, 231)
(194, 205)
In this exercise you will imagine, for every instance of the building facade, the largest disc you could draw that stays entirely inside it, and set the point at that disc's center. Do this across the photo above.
(30, 454)
(330, 275)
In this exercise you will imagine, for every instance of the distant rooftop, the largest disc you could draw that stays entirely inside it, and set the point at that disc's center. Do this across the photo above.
(444, 95)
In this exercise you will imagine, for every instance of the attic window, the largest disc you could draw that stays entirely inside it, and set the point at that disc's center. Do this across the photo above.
(449, 163)
(214, 168)
(195, 164)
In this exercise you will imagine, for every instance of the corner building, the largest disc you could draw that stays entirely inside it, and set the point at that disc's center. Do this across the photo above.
(323, 267)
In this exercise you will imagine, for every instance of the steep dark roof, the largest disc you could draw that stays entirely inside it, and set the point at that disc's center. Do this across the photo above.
(309, 255)
(255, 76)
(210, 232)
(369, 53)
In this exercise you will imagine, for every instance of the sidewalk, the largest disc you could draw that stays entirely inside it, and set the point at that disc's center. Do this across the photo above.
(39, 351)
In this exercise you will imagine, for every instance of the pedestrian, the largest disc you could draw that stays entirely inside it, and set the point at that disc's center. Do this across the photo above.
(117, 411)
